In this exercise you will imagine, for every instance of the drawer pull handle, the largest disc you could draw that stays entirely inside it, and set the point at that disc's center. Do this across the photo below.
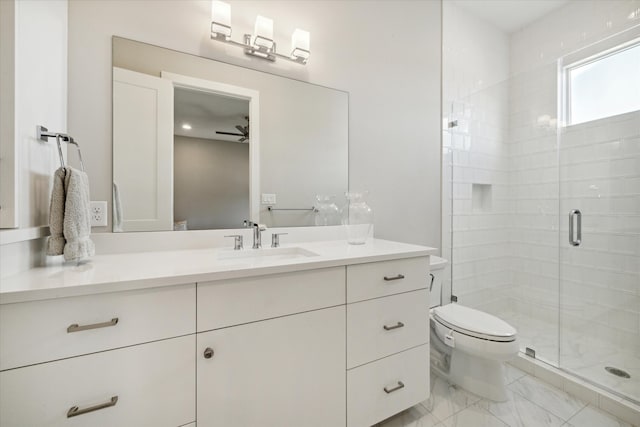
(398, 277)
(396, 388)
(77, 328)
(208, 353)
(74, 411)
(396, 326)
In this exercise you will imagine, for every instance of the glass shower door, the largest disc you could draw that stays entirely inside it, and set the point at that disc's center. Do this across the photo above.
(599, 154)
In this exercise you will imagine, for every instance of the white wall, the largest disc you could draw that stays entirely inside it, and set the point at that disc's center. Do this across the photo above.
(39, 94)
(386, 54)
(34, 50)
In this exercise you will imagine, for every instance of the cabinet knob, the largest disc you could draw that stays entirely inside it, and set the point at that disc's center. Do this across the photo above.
(208, 353)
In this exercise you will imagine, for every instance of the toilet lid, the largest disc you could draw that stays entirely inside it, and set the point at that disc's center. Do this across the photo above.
(474, 323)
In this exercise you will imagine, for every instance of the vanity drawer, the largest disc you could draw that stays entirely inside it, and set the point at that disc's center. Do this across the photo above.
(41, 331)
(154, 384)
(232, 302)
(405, 376)
(379, 327)
(378, 279)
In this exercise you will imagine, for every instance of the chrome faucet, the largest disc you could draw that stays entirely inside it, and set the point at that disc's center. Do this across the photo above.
(257, 233)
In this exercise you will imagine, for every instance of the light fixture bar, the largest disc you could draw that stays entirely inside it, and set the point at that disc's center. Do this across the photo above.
(268, 54)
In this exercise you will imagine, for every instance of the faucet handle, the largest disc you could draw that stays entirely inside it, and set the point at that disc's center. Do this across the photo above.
(237, 241)
(275, 239)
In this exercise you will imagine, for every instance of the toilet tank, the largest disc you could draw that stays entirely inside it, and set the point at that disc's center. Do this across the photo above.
(437, 269)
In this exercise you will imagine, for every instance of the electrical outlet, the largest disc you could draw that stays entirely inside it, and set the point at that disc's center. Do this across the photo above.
(99, 214)
(268, 199)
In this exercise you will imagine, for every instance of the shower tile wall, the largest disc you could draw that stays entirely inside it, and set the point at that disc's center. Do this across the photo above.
(475, 160)
(506, 260)
(599, 283)
(481, 200)
(533, 192)
(600, 175)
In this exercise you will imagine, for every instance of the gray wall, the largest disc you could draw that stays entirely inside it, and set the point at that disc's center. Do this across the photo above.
(211, 183)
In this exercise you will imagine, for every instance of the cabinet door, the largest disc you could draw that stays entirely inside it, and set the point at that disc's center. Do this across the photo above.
(281, 372)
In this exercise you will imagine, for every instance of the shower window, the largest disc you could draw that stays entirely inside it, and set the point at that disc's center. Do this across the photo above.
(603, 85)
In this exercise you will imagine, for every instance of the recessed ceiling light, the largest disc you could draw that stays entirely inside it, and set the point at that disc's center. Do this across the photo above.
(186, 126)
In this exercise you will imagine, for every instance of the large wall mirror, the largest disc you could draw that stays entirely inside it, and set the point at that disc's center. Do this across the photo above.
(201, 144)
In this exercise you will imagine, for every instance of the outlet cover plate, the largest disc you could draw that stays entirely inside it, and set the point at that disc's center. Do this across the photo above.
(268, 199)
(99, 214)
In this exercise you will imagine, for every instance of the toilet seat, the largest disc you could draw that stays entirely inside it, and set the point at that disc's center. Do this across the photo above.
(474, 323)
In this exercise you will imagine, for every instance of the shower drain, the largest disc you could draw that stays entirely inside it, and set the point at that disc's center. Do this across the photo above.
(617, 372)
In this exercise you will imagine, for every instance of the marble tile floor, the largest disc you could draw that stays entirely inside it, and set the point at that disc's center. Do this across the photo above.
(585, 357)
(532, 403)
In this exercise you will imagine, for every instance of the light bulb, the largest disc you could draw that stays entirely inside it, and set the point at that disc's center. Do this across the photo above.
(263, 32)
(221, 18)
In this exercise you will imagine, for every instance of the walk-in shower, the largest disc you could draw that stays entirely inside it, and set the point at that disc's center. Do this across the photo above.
(541, 182)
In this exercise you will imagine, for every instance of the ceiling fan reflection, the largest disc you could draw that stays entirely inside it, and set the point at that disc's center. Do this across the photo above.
(244, 131)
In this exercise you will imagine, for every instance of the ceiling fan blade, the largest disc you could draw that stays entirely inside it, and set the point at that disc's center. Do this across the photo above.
(241, 129)
(229, 133)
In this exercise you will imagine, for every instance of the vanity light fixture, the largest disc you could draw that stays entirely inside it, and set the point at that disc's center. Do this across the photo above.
(260, 43)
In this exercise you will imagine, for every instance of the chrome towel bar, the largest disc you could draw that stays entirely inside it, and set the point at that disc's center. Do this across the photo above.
(44, 135)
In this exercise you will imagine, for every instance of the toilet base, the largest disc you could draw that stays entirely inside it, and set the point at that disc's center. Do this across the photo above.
(478, 375)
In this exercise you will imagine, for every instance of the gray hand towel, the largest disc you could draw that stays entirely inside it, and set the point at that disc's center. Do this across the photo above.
(77, 216)
(55, 243)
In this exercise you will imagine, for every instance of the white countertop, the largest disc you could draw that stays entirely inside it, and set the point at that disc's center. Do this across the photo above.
(128, 271)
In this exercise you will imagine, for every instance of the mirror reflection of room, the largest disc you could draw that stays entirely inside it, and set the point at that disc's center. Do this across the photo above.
(211, 160)
(297, 147)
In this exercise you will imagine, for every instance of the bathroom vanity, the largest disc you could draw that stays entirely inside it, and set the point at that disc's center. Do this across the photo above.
(316, 334)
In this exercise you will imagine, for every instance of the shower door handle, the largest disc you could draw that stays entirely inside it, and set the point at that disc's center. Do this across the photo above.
(575, 216)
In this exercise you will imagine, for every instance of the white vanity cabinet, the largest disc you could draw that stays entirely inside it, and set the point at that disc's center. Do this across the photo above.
(387, 338)
(342, 340)
(276, 353)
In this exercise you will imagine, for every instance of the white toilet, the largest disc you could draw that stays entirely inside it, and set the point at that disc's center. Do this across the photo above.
(469, 347)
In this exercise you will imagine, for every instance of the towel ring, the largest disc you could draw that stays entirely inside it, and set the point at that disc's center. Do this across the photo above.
(44, 135)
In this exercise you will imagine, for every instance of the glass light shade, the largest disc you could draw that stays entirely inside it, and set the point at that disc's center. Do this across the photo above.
(221, 17)
(263, 32)
(300, 41)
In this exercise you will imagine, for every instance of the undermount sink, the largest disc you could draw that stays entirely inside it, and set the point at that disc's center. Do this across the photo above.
(267, 254)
